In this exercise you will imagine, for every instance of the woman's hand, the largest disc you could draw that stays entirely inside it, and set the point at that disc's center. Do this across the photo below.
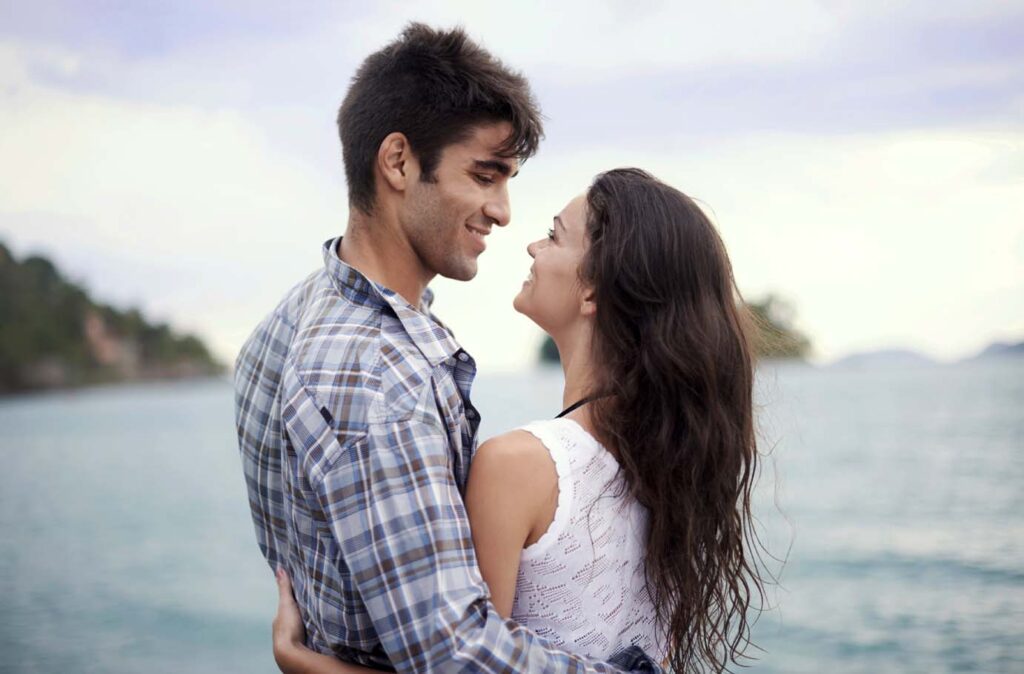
(290, 652)
(288, 630)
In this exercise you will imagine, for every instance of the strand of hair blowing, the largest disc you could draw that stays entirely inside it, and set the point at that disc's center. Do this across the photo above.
(674, 344)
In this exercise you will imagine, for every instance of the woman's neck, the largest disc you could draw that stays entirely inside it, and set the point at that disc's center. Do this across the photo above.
(574, 350)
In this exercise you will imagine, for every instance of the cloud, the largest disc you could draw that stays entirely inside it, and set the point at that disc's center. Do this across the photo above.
(148, 29)
(877, 239)
(189, 212)
(865, 164)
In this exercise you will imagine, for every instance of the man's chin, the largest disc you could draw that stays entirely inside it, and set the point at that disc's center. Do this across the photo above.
(460, 275)
(465, 272)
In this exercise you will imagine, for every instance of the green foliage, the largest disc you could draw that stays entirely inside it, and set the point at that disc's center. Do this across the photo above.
(42, 330)
(777, 338)
(40, 315)
(549, 351)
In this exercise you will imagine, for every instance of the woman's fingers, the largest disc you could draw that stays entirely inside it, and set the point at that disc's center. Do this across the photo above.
(284, 588)
(288, 628)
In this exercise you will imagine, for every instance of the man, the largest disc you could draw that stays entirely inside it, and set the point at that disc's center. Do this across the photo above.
(352, 401)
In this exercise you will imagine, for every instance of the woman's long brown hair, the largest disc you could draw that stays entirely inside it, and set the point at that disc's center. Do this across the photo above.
(674, 344)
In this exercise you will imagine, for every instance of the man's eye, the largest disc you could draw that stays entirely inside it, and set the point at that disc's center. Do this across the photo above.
(484, 180)
(551, 235)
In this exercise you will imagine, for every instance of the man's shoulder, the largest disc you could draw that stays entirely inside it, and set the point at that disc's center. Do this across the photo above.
(351, 359)
(261, 359)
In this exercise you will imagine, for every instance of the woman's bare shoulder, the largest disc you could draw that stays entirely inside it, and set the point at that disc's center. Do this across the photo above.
(513, 487)
(515, 457)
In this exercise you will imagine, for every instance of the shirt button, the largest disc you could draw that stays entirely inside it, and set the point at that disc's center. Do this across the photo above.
(463, 356)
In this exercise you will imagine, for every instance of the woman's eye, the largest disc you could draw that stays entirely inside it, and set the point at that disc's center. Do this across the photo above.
(551, 235)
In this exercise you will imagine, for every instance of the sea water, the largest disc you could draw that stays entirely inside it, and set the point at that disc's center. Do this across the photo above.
(893, 501)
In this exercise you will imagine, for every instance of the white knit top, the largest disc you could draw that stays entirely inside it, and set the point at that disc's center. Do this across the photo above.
(581, 586)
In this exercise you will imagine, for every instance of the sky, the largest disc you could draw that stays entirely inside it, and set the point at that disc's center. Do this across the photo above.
(863, 161)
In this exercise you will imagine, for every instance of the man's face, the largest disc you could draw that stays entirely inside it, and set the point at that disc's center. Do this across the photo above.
(448, 219)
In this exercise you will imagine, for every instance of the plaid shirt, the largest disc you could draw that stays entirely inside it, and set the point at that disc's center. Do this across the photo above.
(356, 433)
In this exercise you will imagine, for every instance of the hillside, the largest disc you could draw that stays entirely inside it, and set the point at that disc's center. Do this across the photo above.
(52, 334)
(887, 358)
(1001, 350)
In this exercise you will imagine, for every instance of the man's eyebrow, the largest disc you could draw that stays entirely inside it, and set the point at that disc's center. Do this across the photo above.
(494, 165)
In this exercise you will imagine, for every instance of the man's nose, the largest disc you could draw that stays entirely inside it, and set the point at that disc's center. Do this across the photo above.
(498, 209)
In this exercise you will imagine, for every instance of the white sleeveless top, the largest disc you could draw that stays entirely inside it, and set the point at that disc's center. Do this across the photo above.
(581, 586)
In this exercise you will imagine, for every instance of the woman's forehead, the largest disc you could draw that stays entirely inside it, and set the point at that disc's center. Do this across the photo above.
(574, 212)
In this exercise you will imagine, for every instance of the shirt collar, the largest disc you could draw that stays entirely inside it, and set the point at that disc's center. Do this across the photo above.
(434, 340)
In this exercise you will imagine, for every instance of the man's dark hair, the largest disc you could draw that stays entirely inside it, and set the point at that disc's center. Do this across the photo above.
(434, 86)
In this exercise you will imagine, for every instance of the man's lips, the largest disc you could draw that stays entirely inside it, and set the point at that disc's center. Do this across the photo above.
(479, 234)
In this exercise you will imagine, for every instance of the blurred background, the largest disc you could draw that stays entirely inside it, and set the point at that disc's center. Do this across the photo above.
(169, 170)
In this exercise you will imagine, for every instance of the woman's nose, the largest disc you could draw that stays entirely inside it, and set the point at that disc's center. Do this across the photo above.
(531, 249)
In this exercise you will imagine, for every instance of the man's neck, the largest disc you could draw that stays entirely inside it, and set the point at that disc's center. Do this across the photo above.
(377, 250)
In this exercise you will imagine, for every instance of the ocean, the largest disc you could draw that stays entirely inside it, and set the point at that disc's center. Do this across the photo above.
(892, 502)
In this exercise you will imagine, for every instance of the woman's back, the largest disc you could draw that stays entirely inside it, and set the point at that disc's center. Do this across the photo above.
(581, 585)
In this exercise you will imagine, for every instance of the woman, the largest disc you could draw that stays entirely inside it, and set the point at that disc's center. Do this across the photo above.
(626, 520)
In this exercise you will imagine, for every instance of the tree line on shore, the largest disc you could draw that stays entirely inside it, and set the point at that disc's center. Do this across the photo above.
(52, 334)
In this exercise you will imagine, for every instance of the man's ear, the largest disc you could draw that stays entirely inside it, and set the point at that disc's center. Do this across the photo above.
(395, 161)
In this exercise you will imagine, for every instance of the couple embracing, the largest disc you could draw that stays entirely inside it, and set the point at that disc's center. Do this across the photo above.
(613, 537)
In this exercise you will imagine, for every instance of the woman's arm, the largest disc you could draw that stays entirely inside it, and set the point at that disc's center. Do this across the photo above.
(511, 497)
(290, 652)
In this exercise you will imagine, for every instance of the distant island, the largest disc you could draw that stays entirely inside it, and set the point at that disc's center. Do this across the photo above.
(776, 337)
(892, 358)
(1001, 350)
(53, 335)
(905, 358)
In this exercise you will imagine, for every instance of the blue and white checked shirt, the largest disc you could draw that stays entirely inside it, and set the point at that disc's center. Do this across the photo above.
(356, 433)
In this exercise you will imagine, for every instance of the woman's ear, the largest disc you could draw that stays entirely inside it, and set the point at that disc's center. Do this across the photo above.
(395, 161)
(588, 307)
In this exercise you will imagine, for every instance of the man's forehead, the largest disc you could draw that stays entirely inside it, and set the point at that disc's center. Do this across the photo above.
(491, 134)
(489, 142)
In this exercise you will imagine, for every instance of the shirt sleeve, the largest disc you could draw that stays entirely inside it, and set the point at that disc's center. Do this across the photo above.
(392, 504)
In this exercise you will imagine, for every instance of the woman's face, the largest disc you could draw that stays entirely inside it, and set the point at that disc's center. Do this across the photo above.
(552, 294)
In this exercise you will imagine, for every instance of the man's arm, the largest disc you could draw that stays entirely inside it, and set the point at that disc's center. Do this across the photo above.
(394, 509)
